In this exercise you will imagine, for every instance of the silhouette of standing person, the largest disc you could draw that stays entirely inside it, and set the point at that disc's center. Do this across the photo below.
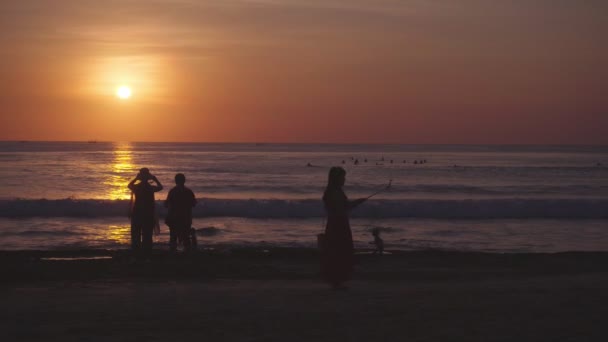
(180, 202)
(143, 216)
(337, 251)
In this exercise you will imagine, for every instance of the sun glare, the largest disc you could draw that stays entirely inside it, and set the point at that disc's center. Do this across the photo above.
(129, 78)
(123, 92)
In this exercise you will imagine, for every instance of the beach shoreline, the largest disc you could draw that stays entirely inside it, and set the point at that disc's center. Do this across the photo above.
(279, 263)
(277, 295)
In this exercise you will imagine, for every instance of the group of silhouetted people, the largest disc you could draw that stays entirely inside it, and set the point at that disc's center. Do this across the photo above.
(336, 244)
(144, 218)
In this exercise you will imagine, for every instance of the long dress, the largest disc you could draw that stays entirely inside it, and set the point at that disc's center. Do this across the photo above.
(338, 249)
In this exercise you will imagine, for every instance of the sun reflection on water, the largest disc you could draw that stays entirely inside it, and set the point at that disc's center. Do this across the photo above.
(122, 170)
(119, 234)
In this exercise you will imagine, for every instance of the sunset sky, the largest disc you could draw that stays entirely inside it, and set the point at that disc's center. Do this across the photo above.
(370, 71)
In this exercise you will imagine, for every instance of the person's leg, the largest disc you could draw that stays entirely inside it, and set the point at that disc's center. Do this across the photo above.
(172, 239)
(193, 242)
(135, 235)
(185, 234)
(146, 233)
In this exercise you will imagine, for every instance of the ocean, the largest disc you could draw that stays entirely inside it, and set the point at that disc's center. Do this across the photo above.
(493, 198)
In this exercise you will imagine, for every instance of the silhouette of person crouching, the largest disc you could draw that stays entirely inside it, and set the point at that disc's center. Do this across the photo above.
(180, 202)
(142, 211)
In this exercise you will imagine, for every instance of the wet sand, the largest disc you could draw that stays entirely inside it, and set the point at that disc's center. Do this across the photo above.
(250, 295)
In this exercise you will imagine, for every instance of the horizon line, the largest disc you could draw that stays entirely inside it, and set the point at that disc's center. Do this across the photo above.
(300, 143)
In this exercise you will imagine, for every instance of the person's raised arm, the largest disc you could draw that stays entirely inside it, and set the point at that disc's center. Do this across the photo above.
(131, 184)
(158, 186)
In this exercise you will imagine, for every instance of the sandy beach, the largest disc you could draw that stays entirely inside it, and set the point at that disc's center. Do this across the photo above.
(276, 295)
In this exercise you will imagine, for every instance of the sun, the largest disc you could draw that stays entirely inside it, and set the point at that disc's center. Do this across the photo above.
(123, 92)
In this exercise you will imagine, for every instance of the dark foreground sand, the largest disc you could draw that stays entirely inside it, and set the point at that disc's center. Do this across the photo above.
(249, 295)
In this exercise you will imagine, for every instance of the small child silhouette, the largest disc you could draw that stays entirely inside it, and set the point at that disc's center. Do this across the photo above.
(377, 242)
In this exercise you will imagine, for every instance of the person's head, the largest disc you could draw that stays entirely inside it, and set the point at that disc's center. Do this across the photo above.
(376, 232)
(337, 177)
(144, 174)
(180, 179)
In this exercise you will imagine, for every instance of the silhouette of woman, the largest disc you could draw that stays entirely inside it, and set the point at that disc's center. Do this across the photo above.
(337, 250)
(143, 218)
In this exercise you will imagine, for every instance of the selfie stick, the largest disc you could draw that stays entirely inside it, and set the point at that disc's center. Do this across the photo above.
(381, 190)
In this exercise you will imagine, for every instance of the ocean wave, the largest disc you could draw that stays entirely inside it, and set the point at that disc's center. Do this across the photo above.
(512, 190)
(278, 208)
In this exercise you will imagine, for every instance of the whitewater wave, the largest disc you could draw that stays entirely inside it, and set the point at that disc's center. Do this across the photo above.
(571, 208)
(507, 190)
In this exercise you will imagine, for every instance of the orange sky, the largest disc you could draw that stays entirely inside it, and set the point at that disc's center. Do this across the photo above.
(418, 71)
